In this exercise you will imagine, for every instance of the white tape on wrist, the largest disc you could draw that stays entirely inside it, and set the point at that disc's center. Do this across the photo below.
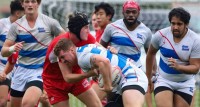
(12, 49)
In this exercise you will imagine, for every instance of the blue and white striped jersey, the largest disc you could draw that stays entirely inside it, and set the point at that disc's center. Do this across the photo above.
(5, 24)
(188, 47)
(131, 48)
(36, 43)
(85, 53)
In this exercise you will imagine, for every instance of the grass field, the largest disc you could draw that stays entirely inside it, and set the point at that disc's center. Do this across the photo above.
(74, 102)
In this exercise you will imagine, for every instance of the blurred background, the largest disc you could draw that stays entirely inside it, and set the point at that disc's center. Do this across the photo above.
(154, 13)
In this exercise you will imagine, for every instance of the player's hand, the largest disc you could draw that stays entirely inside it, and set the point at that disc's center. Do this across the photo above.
(18, 46)
(43, 97)
(106, 88)
(93, 72)
(173, 63)
(150, 87)
(2, 76)
(112, 50)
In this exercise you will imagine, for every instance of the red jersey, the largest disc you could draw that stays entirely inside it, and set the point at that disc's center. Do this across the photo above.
(51, 68)
(99, 34)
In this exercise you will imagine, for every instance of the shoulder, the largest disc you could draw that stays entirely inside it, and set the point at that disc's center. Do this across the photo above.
(91, 38)
(3, 20)
(47, 19)
(192, 34)
(56, 39)
(118, 22)
(165, 32)
(143, 26)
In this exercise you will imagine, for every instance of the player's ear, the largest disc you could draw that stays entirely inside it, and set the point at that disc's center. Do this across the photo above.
(72, 49)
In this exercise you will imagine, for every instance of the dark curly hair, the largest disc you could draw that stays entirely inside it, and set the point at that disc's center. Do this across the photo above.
(180, 13)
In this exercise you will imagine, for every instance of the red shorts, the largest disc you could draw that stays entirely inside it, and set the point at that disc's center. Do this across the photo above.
(57, 90)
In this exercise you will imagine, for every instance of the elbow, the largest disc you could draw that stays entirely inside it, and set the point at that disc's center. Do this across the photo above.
(197, 70)
(2, 53)
(68, 80)
(106, 62)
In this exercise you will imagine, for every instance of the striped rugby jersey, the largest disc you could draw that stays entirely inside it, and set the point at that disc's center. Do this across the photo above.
(84, 54)
(33, 53)
(131, 48)
(188, 47)
(5, 24)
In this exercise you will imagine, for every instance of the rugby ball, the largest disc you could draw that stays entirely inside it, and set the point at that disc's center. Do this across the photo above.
(115, 74)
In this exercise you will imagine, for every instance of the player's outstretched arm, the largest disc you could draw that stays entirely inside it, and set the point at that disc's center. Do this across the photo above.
(151, 54)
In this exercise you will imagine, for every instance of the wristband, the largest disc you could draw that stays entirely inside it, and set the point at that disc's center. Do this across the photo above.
(12, 49)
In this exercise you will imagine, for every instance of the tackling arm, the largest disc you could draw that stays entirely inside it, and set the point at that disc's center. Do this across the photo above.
(103, 65)
(71, 77)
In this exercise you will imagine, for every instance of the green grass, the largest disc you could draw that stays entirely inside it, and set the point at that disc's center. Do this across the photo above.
(74, 102)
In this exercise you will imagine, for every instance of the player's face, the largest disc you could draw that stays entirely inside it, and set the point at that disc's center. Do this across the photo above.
(67, 57)
(94, 22)
(84, 32)
(102, 18)
(130, 16)
(178, 27)
(30, 6)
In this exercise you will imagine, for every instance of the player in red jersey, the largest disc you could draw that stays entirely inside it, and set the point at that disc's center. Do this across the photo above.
(104, 13)
(57, 83)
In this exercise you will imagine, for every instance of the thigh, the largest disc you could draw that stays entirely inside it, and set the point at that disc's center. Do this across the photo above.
(4, 88)
(101, 94)
(15, 101)
(32, 87)
(90, 98)
(64, 103)
(80, 87)
(184, 93)
(4, 93)
(57, 91)
(163, 96)
(132, 96)
(182, 99)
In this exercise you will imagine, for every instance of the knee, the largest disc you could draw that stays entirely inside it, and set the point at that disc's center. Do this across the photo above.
(27, 103)
(3, 102)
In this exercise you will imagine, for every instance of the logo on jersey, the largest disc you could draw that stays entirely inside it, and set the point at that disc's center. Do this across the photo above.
(52, 98)
(40, 77)
(85, 84)
(41, 30)
(191, 89)
(139, 36)
(185, 48)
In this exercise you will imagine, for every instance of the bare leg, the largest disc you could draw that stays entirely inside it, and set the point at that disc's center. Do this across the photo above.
(30, 99)
(3, 95)
(160, 99)
(90, 98)
(133, 98)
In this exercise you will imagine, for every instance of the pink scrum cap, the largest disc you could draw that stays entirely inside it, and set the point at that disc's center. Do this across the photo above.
(131, 4)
